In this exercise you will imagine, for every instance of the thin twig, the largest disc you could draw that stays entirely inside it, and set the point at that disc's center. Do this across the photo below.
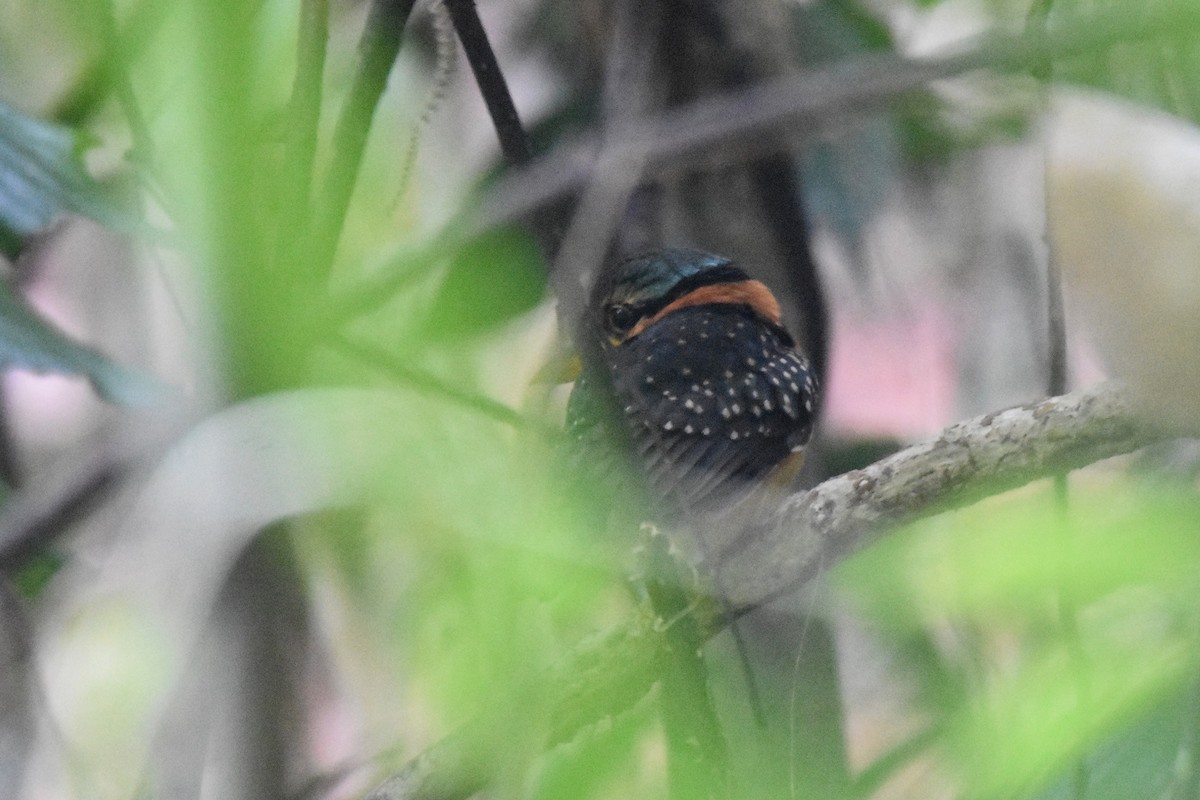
(808, 105)
(376, 289)
(814, 102)
(27, 531)
(304, 113)
(377, 51)
(603, 202)
(697, 752)
(1056, 384)
(10, 462)
(513, 141)
(388, 364)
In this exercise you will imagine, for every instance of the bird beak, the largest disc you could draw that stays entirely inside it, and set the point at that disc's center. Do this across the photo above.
(562, 367)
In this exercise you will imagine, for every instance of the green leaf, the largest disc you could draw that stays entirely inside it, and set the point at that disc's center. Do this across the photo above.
(42, 176)
(29, 342)
(491, 280)
(1142, 760)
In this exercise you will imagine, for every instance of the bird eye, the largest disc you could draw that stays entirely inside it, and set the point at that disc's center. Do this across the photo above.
(620, 318)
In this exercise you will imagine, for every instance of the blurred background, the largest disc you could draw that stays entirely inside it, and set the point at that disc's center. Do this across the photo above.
(283, 493)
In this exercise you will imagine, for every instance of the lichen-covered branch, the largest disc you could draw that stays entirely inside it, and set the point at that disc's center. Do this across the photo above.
(812, 531)
(969, 461)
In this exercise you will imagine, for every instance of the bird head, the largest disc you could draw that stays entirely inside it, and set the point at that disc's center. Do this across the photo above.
(643, 289)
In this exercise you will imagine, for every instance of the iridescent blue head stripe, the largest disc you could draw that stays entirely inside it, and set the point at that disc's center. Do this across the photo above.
(655, 279)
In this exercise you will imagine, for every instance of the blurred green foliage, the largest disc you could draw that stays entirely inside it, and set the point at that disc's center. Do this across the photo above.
(489, 281)
(1036, 636)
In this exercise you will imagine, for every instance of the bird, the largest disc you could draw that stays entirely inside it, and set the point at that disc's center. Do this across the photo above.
(687, 367)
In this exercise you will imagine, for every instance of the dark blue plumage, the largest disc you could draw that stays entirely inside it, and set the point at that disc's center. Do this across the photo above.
(707, 386)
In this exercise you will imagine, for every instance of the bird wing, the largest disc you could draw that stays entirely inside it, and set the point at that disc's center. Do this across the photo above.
(714, 399)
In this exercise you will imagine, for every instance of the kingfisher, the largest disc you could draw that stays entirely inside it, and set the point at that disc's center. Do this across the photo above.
(691, 362)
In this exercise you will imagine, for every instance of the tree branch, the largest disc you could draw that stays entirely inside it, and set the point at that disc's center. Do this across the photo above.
(813, 102)
(812, 531)
(806, 105)
(969, 461)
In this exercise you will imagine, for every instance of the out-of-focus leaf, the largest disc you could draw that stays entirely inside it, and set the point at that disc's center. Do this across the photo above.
(1022, 730)
(491, 280)
(479, 562)
(42, 176)
(1140, 761)
(1000, 563)
(599, 760)
(1036, 696)
(29, 342)
(30, 581)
